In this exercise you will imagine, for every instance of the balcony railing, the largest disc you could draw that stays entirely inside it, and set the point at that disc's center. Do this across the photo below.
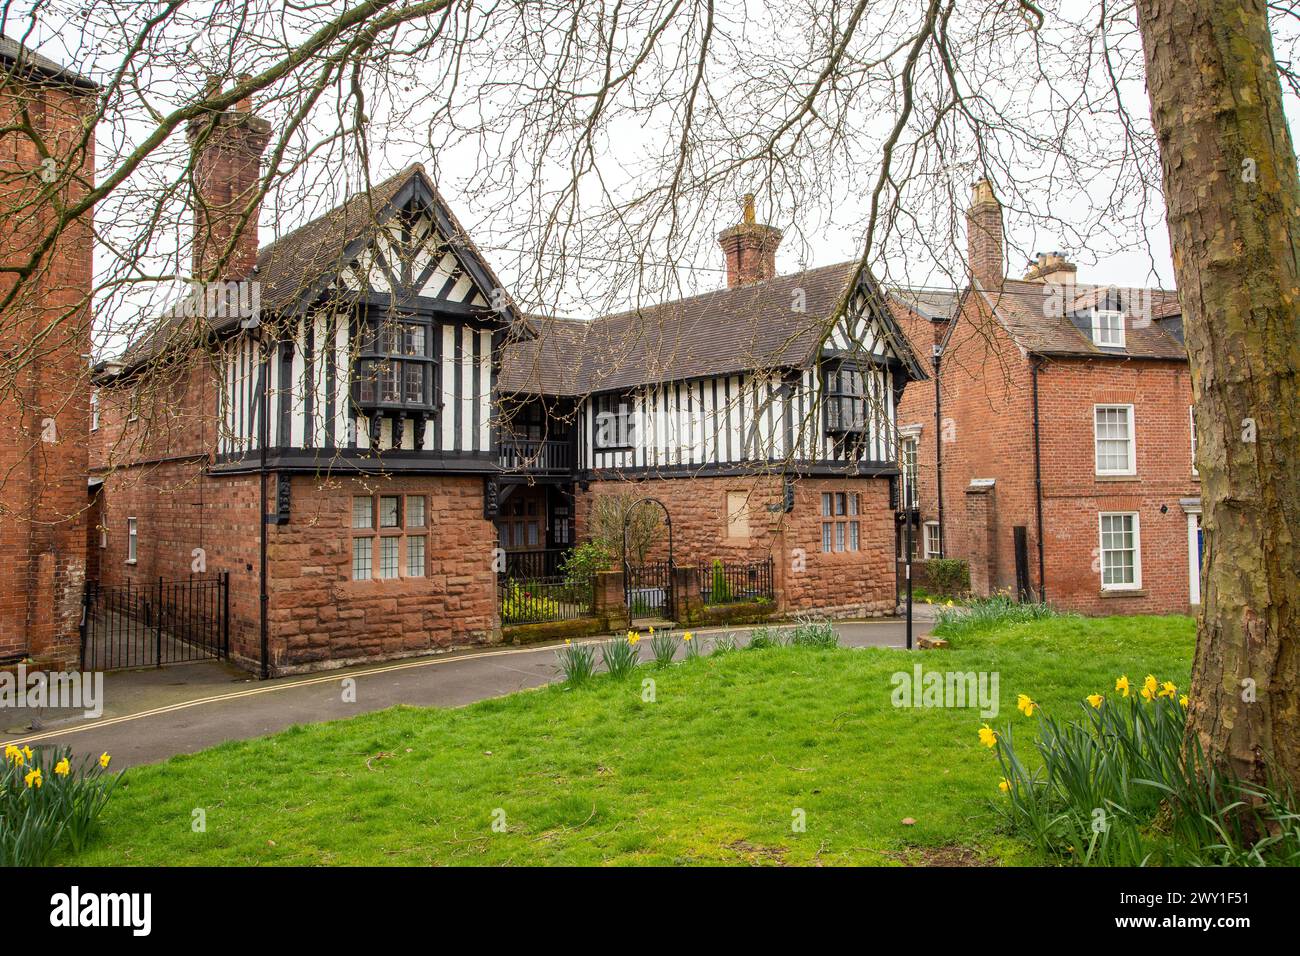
(536, 456)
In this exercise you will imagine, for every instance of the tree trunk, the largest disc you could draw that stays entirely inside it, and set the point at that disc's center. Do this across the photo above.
(1233, 200)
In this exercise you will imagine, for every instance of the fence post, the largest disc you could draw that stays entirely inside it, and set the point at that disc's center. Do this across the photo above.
(609, 599)
(686, 593)
(158, 626)
(225, 615)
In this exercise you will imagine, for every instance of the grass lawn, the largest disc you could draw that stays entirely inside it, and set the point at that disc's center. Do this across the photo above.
(712, 772)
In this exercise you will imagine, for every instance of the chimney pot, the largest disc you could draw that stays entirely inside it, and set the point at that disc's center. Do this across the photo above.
(984, 239)
(750, 248)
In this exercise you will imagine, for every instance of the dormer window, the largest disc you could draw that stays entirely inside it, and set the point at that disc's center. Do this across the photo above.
(395, 366)
(1108, 328)
(846, 399)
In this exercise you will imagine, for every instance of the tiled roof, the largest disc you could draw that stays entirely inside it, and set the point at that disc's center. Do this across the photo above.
(1036, 315)
(13, 53)
(931, 303)
(754, 326)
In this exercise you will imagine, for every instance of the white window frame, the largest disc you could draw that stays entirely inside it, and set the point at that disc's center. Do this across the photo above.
(937, 550)
(1136, 583)
(910, 462)
(1132, 441)
(1191, 418)
(1193, 565)
(132, 540)
(1111, 343)
(94, 409)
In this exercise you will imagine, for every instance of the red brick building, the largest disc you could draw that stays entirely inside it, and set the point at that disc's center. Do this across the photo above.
(45, 340)
(1060, 460)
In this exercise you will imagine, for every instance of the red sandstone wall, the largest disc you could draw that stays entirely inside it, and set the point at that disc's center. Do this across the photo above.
(847, 583)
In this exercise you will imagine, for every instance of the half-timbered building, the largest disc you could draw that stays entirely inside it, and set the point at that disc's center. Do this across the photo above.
(356, 425)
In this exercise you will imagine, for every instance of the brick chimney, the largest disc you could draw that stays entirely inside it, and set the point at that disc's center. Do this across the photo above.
(984, 242)
(1052, 264)
(750, 249)
(227, 158)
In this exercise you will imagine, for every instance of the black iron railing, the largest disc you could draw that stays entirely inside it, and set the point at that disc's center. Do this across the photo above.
(148, 625)
(649, 590)
(541, 600)
(536, 456)
(540, 563)
(732, 582)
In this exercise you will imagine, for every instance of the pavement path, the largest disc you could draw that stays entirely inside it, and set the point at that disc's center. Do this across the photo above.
(154, 714)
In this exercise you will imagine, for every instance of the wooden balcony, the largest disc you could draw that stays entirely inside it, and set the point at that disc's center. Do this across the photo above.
(531, 456)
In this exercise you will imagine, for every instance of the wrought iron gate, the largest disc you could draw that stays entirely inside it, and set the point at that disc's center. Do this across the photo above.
(649, 590)
(148, 625)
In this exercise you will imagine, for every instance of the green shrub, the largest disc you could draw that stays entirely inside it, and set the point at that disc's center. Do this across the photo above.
(520, 605)
(620, 655)
(48, 802)
(577, 661)
(719, 589)
(984, 614)
(1118, 787)
(584, 562)
(948, 577)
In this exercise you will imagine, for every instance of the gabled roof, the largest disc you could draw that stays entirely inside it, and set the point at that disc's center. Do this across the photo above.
(933, 304)
(1037, 316)
(20, 59)
(755, 326)
(295, 269)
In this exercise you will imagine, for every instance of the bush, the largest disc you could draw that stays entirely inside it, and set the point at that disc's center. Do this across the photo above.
(981, 614)
(764, 637)
(47, 802)
(1119, 788)
(519, 605)
(719, 589)
(584, 562)
(947, 577)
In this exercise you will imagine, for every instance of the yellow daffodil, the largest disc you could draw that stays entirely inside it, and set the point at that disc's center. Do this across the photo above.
(1168, 689)
(987, 737)
(33, 778)
(1004, 785)
(1182, 701)
(104, 758)
(1025, 704)
(633, 638)
(687, 636)
(1121, 685)
(27, 752)
(63, 768)
(567, 642)
(652, 630)
(1150, 684)
(13, 755)
(949, 604)
(1095, 700)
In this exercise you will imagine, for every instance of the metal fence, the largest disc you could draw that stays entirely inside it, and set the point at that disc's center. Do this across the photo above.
(540, 563)
(148, 625)
(544, 599)
(649, 590)
(732, 582)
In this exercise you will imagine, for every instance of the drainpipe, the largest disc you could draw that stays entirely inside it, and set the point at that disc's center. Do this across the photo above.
(1034, 365)
(938, 447)
(262, 439)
